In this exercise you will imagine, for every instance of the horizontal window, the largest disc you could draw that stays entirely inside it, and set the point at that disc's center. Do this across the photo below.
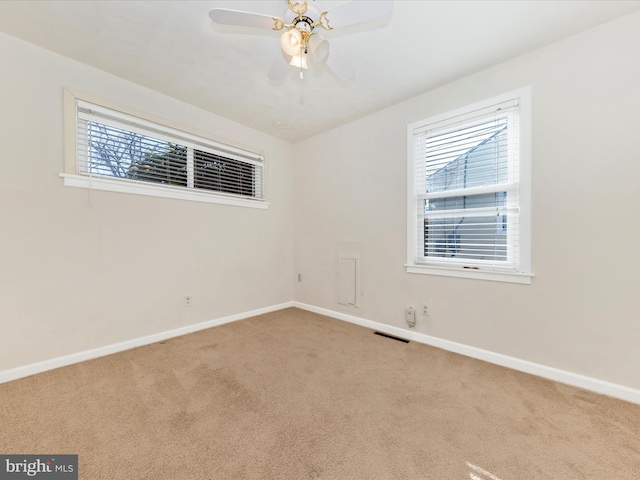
(120, 152)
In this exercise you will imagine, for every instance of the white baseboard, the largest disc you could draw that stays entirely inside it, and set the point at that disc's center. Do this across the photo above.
(551, 373)
(562, 376)
(32, 369)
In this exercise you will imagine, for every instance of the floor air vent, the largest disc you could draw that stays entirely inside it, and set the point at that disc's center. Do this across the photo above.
(391, 337)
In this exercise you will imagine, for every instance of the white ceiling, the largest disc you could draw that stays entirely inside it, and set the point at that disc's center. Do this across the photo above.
(173, 47)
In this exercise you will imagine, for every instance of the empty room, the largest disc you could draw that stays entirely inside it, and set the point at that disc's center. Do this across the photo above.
(319, 240)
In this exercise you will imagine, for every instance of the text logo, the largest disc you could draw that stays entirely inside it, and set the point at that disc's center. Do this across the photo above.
(45, 467)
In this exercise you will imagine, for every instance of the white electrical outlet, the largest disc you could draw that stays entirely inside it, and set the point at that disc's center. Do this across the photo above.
(425, 309)
(187, 300)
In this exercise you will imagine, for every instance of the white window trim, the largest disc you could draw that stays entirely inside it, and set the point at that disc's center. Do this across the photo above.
(93, 182)
(72, 178)
(525, 274)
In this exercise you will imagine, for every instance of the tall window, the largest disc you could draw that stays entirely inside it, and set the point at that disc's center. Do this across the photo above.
(469, 192)
(122, 152)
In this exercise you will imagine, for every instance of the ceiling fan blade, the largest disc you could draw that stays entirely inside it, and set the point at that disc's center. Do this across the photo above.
(280, 67)
(340, 65)
(243, 19)
(358, 11)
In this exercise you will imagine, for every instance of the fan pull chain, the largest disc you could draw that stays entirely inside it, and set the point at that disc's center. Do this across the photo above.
(301, 53)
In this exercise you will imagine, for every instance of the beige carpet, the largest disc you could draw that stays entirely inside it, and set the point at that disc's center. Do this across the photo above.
(295, 395)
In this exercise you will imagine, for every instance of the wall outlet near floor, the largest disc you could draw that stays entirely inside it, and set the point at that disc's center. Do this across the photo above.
(299, 277)
(188, 300)
(425, 309)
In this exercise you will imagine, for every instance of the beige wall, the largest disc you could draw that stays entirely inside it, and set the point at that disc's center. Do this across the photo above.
(581, 312)
(74, 276)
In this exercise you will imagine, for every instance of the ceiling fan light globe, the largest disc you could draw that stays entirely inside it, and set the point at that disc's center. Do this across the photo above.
(299, 60)
(319, 47)
(290, 41)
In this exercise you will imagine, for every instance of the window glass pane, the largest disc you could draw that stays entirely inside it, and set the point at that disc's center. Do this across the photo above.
(116, 152)
(221, 174)
(473, 238)
(468, 157)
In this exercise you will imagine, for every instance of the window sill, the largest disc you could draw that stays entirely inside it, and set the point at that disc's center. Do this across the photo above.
(522, 278)
(139, 188)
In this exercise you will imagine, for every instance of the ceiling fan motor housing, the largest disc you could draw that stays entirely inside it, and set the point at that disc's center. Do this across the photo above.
(304, 24)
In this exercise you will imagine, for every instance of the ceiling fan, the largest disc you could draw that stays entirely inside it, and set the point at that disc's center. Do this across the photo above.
(301, 22)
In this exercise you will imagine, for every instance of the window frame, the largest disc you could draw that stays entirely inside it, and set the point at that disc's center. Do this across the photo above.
(457, 268)
(73, 177)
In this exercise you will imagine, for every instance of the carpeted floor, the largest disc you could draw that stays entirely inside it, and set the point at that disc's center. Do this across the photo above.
(295, 395)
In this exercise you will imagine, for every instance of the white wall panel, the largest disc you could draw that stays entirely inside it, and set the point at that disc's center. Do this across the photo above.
(77, 275)
(580, 313)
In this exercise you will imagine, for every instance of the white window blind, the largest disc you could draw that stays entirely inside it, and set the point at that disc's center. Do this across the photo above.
(120, 146)
(466, 190)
